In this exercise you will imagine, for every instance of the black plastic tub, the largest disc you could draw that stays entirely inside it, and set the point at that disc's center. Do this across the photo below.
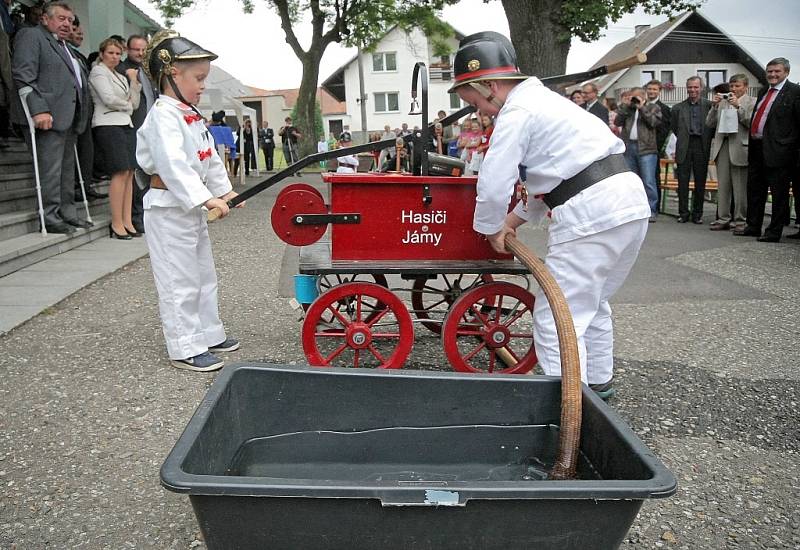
(285, 457)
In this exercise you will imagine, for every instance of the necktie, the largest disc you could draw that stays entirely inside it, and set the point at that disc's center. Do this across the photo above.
(757, 129)
(72, 67)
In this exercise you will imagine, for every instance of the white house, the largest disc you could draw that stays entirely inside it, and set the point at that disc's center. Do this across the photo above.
(685, 46)
(387, 81)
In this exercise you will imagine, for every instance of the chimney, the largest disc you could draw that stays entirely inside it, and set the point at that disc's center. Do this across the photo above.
(639, 29)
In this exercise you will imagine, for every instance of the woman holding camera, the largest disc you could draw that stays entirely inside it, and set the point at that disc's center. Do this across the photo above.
(639, 120)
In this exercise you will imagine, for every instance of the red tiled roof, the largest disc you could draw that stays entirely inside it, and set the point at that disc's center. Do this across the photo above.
(327, 102)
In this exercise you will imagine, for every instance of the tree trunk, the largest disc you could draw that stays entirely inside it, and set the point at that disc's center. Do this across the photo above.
(542, 43)
(306, 103)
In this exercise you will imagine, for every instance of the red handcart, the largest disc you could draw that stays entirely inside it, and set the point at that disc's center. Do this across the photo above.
(417, 228)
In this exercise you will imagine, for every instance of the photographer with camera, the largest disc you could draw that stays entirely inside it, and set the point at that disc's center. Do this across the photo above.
(639, 121)
(730, 118)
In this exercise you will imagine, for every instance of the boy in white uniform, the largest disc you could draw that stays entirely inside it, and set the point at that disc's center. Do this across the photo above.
(176, 150)
(347, 164)
(572, 170)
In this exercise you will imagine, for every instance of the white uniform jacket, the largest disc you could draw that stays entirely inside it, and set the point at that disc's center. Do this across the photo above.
(174, 143)
(347, 164)
(553, 139)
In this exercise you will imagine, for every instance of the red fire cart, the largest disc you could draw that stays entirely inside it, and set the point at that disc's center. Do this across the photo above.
(420, 228)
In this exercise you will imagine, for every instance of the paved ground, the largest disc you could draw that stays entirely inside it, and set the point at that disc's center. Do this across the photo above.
(707, 356)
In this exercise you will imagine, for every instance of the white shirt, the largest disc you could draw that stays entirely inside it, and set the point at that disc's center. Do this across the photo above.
(347, 164)
(553, 139)
(174, 144)
(759, 132)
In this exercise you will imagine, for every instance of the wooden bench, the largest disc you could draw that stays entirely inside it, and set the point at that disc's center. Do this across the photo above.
(668, 181)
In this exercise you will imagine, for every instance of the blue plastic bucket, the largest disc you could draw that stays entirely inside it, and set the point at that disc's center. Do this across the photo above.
(305, 288)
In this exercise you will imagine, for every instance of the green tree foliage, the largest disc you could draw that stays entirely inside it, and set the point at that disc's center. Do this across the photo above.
(351, 22)
(541, 30)
(587, 20)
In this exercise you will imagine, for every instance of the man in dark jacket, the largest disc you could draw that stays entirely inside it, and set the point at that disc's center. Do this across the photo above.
(266, 137)
(137, 44)
(692, 149)
(772, 152)
(592, 104)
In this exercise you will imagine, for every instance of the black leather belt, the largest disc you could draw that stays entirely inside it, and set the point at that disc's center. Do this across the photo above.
(595, 172)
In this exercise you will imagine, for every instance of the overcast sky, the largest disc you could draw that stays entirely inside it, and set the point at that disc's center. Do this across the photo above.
(253, 48)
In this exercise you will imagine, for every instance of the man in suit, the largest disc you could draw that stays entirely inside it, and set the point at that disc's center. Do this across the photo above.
(136, 46)
(729, 153)
(590, 103)
(692, 149)
(653, 91)
(772, 153)
(59, 105)
(266, 136)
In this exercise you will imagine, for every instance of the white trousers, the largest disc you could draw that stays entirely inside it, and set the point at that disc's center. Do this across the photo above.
(589, 271)
(186, 279)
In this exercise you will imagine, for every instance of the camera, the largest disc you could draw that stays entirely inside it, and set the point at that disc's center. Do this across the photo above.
(635, 100)
(727, 96)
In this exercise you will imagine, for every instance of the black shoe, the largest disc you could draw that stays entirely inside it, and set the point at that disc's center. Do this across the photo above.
(795, 236)
(747, 232)
(697, 221)
(683, 219)
(769, 239)
(62, 228)
(79, 223)
(114, 235)
(135, 234)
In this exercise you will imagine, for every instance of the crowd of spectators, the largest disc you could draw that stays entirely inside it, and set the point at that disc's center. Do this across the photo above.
(91, 105)
(753, 142)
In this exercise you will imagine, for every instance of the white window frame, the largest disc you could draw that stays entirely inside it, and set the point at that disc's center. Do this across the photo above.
(704, 76)
(643, 80)
(672, 72)
(460, 103)
(386, 101)
(383, 68)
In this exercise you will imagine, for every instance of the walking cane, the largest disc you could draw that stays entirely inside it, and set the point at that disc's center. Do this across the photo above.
(83, 188)
(23, 95)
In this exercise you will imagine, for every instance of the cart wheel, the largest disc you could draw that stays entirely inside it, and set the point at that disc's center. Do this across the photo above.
(490, 329)
(372, 329)
(431, 298)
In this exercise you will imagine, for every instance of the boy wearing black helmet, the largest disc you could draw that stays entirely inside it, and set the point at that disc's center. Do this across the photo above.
(598, 208)
(186, 174)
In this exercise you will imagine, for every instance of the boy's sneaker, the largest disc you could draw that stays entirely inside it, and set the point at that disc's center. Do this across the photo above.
(205, 362)
(230, 344)
(604, 391)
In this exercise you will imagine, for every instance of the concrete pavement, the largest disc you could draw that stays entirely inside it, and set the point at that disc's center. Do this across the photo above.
(706, 353)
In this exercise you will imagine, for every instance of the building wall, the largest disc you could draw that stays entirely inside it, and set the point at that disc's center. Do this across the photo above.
(102, 18)
(409, 49)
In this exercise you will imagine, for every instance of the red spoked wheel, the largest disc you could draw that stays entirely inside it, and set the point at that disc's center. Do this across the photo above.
(330, 280)
(358, 325)
(431, 298)
(490, 329)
